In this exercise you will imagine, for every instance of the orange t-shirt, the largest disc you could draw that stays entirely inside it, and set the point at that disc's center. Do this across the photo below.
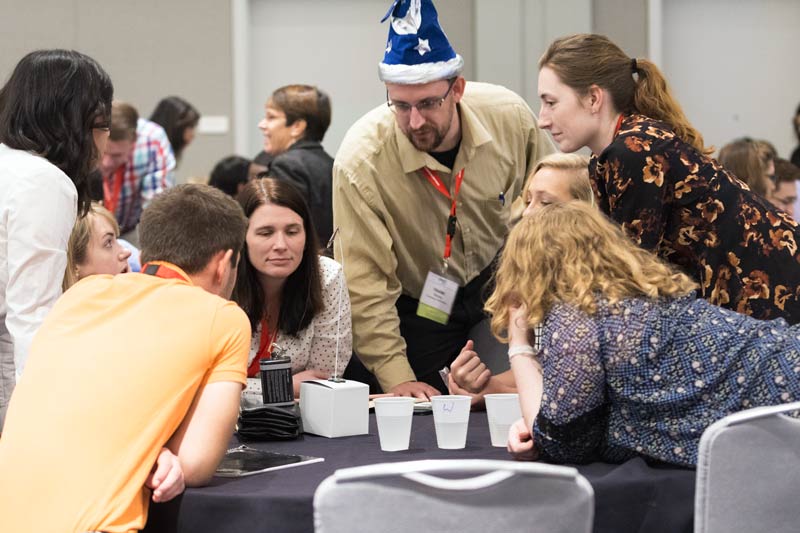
(110, 376)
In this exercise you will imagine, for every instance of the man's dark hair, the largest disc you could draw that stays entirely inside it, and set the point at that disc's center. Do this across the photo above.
(175, 115)
(50, 106)
(188, 224)
(302, 293)
(229, 173)
(307, 103)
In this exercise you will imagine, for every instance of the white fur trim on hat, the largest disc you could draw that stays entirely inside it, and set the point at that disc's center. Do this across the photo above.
(422, 73)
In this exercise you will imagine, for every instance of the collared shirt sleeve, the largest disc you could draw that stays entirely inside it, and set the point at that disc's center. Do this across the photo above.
(158, 175)
(370, 265)
(41, 214)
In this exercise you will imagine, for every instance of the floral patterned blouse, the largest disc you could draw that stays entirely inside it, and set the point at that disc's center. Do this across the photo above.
(685, 207)
(646, 377)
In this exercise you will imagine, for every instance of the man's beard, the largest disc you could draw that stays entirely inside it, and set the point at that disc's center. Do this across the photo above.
(427, 138)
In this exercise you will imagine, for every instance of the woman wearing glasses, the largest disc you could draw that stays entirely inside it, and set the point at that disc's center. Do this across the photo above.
(652, 174)
(295, 121)
(54, 117)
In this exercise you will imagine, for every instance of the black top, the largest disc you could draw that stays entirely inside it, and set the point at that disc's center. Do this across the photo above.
(307, 166)
(689, 210)
(447, 158)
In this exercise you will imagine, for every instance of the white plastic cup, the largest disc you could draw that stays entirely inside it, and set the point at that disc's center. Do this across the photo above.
(451, 419)
(394, 417)
(502, 411)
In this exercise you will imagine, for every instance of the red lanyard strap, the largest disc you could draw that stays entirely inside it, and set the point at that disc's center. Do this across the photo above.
(111, 192)
(265, 345)
(436, 181)
(161, 270)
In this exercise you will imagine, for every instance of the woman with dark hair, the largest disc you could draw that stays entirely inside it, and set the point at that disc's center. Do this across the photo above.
(652, 174)
(296, 119)
(297, 301)
(54, 124)
(232, 173)
(179, 119)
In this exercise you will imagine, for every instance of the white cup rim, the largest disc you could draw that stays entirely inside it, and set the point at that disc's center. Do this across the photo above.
(395, 399)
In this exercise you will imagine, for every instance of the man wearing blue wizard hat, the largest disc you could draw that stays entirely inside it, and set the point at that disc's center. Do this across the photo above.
(423, 187)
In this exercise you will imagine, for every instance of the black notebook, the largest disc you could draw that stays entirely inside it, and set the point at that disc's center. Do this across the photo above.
(246, 461)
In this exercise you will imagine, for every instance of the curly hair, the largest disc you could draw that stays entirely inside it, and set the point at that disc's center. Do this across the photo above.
(572, 253)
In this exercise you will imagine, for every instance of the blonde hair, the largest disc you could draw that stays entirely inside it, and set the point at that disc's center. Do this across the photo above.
(583, 60)
(746, 160)
(577, 166)
(572, 253)
(79, 242)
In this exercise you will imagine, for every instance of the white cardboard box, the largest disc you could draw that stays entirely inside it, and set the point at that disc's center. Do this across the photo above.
(332, 409)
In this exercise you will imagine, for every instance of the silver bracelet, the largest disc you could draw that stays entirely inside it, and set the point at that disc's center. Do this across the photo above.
(524, 349)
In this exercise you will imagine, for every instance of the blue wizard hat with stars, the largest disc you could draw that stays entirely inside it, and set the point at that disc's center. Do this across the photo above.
(417, 50)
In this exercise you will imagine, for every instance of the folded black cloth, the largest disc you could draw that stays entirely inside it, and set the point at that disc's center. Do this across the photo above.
(269, 423)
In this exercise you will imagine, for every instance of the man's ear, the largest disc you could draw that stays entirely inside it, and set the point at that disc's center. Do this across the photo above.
(222, 265)
(458, 88)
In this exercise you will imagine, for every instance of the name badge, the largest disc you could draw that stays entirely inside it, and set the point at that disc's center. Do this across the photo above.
(438, 297)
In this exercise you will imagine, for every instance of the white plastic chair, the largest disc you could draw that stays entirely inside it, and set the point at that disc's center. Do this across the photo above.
(748, 473)
(464, 496)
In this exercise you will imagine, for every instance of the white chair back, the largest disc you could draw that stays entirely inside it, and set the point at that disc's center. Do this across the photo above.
(455, 495)
(748, 473)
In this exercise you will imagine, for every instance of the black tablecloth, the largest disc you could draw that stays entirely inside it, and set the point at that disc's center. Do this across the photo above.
(631, 497)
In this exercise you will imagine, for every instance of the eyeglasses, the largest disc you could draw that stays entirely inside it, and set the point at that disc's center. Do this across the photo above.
(427, 105)
(102, 125)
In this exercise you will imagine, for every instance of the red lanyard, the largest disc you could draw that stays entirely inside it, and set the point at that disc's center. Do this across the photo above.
(619, 124)
(264, 349)
(111, 196)
(162, 270)
(436, 181)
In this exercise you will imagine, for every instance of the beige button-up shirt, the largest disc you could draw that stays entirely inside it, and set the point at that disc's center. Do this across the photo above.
(392, 221)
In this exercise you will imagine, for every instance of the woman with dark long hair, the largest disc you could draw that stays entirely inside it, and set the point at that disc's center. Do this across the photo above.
(54, 124)
(297, 301)
(179, 119)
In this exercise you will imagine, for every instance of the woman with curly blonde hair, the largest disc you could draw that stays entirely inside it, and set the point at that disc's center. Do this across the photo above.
(632, 363)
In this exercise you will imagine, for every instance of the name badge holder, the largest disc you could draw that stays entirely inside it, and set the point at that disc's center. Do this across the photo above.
(440, 289)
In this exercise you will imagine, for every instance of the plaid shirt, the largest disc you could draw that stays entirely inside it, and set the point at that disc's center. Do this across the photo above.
(147, 173)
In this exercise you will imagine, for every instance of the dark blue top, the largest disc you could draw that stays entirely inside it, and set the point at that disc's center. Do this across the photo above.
(646, 377)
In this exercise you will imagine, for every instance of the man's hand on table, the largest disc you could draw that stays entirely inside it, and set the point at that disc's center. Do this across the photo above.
(416, 389)
(468, 372)
(166, 479)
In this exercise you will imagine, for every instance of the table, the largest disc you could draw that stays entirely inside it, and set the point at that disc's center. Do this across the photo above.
(630, 497)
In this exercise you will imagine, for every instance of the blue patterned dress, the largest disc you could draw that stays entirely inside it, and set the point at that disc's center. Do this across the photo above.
(646, 377)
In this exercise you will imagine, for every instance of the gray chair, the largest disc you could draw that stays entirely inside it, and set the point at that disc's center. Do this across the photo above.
(748, 473)
(465, 496)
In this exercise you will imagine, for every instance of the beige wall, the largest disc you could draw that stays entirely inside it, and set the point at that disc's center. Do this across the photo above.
(150, 48)
(624, 22)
